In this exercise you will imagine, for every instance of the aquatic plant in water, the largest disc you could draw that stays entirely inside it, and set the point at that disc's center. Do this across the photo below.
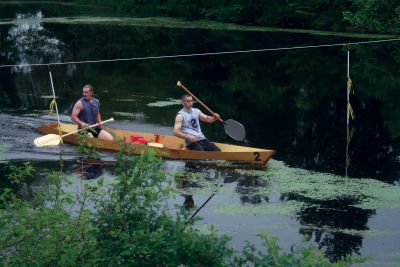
(367, 193)
(165, 103)
(3, 149)
(283, 209)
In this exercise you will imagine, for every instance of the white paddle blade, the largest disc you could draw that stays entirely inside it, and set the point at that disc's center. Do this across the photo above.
(235, 130)
(47, 140)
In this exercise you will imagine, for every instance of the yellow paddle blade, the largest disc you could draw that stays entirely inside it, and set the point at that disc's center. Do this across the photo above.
(47, 140)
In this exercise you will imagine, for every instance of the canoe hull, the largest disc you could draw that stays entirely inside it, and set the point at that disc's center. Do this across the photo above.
(173, 147)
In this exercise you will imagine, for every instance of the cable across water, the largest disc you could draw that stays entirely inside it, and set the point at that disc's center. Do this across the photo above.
(201, 54)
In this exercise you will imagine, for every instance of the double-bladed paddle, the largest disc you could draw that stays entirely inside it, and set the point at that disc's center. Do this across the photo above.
(232, 128)
(55, 139)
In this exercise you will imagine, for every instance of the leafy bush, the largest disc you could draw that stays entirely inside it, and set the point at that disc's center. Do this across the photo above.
(129, 225)
(375, 16)
(86, 144)
(45, 234)
(135, 228)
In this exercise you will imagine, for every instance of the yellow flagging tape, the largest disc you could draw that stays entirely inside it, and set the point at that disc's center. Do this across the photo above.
(351, 112)
(61, 163)
(60, 133)
(350, 135)
(349, 85)
(52, 104)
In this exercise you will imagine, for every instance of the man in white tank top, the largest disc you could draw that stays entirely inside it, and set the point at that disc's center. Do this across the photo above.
(187, 126)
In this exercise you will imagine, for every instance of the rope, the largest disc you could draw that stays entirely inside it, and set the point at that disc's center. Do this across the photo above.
(200, 54)
(51, 107)
(350, 113)
(53, 104)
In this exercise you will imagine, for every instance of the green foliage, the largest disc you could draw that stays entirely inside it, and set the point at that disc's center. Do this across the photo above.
(375, 16)
(126, 224)
(304, 255)
(17, 179)
(45, 234)
(3, 149)
(20, 174)
(371, 15)
(86, 144)
(135, 228)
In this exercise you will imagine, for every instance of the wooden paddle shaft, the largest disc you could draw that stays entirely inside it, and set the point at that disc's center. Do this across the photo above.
(91, 126)
(198, 100)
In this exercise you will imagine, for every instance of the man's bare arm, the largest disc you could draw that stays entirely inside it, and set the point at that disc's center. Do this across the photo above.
(75, 113)
(178, 126)
(209, 119)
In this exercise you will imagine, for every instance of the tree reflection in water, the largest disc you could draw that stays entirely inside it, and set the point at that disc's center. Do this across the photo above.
(31, 43)
(89, 171)
(324, 223)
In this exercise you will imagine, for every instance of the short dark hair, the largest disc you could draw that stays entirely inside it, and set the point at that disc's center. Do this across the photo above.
(91, 88)
(184, 96)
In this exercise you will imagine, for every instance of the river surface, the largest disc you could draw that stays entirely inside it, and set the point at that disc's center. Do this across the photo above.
(293, 101)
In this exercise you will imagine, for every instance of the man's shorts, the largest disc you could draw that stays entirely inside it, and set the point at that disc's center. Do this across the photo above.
(203, 145)
(94, 131)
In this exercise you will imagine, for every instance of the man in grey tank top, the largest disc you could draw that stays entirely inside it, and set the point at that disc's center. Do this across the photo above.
(187, 126)
(86, 112)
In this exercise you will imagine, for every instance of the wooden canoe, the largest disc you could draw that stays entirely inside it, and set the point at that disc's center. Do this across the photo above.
(172, 147)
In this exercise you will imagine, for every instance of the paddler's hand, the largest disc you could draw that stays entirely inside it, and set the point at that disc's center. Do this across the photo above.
(85, 126)
(100, 125)
(191, 138)
(216, 116)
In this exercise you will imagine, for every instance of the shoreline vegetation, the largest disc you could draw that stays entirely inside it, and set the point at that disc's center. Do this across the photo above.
(347, 18)
(125, 222)
(363, 16)
(167, 22)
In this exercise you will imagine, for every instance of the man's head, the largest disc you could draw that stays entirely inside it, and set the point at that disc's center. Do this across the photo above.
(87, 91)
(187, 101)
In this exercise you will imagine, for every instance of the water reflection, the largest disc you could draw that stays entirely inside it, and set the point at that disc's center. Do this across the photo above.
(334, 225)
(248, 187)
(30, 43)
(327, 219)
(183, 182)
(211, 179)
(89, 171)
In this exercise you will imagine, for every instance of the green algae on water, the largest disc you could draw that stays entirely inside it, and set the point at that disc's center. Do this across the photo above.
(363, 233)
(165, 103)
(367, 193)
(137, 115)
(3, 149)
(168, 22)
(281, 209)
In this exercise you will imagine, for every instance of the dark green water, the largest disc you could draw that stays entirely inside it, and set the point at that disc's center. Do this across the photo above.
(292, 101)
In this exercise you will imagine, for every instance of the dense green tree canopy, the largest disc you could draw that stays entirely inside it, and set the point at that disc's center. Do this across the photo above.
(373, 16)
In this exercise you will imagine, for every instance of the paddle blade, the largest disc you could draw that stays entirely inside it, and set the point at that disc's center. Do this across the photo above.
(235, 130)
(47, 140)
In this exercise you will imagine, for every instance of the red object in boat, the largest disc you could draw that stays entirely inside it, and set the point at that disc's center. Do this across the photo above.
(137, 140)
